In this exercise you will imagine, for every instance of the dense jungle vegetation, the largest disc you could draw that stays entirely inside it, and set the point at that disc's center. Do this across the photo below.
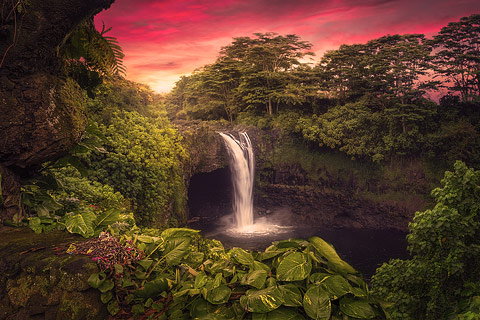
(368, 101)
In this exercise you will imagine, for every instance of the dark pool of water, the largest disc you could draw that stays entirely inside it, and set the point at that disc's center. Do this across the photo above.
(365, 250)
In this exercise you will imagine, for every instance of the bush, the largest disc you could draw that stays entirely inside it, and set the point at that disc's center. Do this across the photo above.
(444, 274)
(143, 162)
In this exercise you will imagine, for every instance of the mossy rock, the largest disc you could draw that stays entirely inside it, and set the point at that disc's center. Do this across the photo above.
(38, 279)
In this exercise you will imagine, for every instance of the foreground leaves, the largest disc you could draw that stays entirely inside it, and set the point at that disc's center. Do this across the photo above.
(184, 276)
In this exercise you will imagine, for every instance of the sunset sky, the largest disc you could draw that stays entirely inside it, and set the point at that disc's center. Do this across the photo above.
(164, 39)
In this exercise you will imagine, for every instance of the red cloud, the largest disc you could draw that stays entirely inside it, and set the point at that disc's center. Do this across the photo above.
(164, 39)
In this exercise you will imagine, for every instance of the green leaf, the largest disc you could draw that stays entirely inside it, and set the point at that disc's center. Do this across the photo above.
(292, 297)
(218, 295)
(105, 297)
(141, 275)
(195, 259)
(118, 268)
(317, 277)
(356, 308)
(262, 301)
(113, 307)
(138, 309)
(242, 256)
(35, 224)
(260, 266)
(291, 243)
(329, 253)
(176, 249)
(178, 232)
(152, 288)
(145, 263)
(295, 266)
(96, 279)
(146, 239)
(107, 218)
(255, 278)
(81, 224)
(316, 303)
(200, 280)
(337, 286)
(271, 252)
(200, 308)
(106, 285)
(127, 282)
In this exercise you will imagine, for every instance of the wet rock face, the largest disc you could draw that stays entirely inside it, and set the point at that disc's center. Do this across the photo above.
(41, 111)
(38, 281)
(42, 117)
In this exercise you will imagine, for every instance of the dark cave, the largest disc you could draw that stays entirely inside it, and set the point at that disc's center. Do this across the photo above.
(210, 194)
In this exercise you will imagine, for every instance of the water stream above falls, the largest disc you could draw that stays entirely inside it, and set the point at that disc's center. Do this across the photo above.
(221, 205)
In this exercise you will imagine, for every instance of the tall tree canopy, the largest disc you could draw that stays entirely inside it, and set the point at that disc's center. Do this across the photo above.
(265, 60)
(457, 56)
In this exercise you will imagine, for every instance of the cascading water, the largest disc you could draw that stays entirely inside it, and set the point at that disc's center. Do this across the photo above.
(242, 164)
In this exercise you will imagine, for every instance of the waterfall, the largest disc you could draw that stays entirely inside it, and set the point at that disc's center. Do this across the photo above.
(242, 163)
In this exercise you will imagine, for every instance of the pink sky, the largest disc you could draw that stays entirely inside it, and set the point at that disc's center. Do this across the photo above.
(163, 40)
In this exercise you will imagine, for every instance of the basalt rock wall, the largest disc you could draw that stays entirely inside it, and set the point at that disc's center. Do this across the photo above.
(316, 187)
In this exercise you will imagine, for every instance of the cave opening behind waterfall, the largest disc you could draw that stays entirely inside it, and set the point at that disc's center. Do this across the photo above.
(210, 196)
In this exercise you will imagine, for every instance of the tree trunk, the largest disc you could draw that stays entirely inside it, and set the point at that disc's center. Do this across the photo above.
(41, 110)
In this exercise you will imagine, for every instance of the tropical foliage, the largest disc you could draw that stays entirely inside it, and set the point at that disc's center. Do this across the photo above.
(183, 276)
(441, 279)
(142, 161)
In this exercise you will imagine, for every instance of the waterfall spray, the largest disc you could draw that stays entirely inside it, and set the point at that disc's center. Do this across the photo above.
(242, 165)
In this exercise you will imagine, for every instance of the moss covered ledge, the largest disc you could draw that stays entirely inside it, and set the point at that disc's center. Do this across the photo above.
(39, 281)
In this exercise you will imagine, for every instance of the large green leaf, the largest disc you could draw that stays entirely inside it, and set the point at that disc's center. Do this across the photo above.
(337, 286)
(295, 266)
(218, 295)
(176, 249)
(242, 256)
(356, 308)
(200, 280)
(316, 303)
(255, 278)
(107, 218)
(260, 266)
(152, 288)
(35, 224)
(271, 252)
(329, 253)
(178, 232)
(291, 243)
(81, 224)
(262, 301)
(292, 297)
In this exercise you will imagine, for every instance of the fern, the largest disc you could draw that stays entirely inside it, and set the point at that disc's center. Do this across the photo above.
(88, 50)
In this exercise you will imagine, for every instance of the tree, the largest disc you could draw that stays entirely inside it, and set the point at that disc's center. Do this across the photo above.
(219, 82)
(345, 73)
(457, 56)
(442, 276)
(264, 59)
